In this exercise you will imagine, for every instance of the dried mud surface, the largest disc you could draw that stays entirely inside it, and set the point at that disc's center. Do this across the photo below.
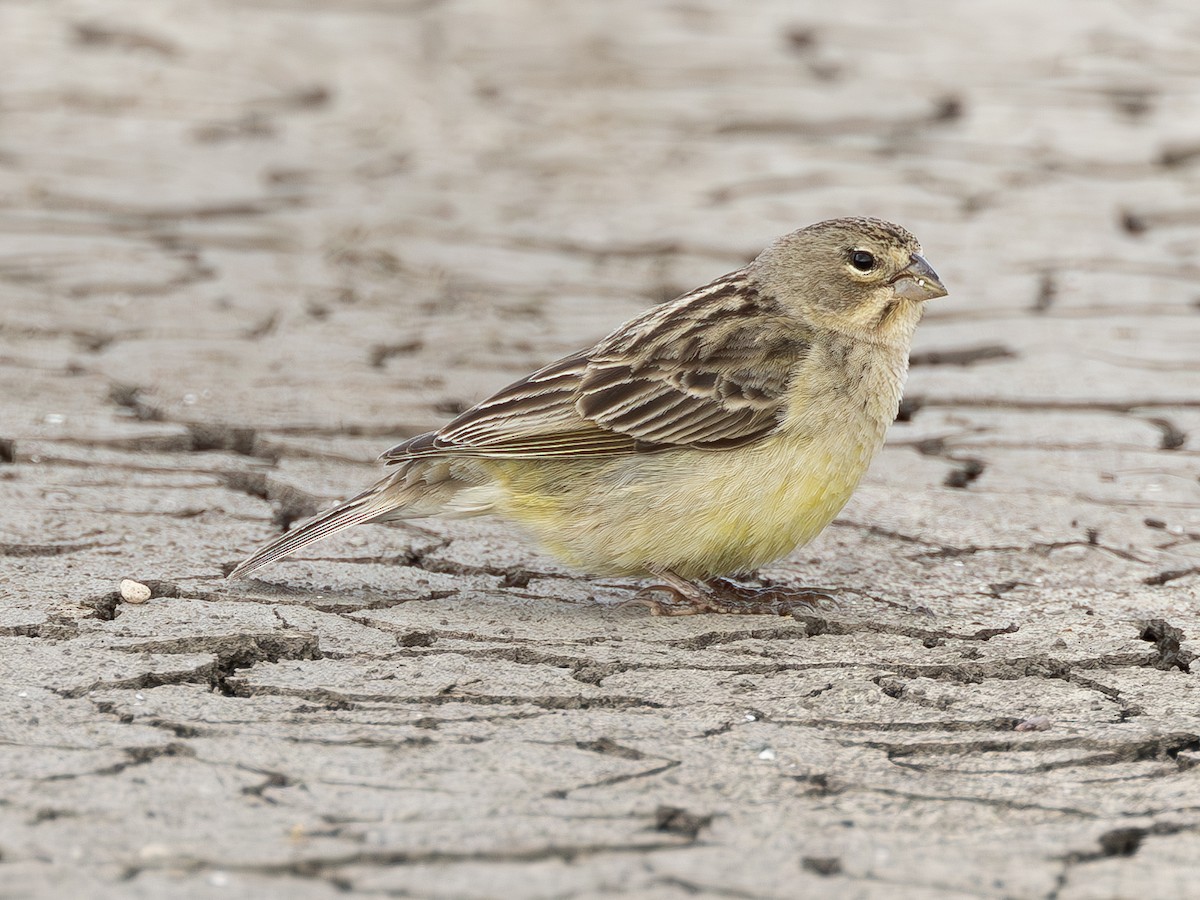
(246, 246)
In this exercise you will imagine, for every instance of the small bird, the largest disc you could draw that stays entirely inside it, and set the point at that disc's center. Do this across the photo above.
(705, 437)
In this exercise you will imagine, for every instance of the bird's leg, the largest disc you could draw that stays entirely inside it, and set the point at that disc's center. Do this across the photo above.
(722, 596)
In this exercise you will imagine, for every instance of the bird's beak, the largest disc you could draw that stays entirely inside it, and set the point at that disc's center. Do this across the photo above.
(918, 281)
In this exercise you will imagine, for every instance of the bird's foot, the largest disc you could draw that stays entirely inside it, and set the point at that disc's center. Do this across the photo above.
(687, 597)
(725, 597)
(771, 599)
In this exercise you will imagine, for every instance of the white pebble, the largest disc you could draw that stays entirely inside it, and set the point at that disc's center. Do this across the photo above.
(134, 591)
(1036, 723)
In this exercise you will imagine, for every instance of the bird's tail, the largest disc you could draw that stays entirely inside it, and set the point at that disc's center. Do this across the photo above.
(368, 506)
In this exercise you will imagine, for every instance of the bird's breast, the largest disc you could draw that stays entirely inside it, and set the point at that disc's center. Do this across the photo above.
(846, 390)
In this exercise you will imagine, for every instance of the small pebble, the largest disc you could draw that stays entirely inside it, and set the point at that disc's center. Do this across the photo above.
(1036, 723)
(134, 591)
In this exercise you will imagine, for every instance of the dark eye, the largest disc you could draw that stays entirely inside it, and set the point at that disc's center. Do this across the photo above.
(862, 260)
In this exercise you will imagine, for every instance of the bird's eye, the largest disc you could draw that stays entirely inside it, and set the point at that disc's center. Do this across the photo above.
(862, 260)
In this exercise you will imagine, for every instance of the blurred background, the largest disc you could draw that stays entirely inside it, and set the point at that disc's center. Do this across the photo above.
(367, 213)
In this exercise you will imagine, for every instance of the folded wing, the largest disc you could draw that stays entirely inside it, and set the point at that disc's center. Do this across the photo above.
(709, 370)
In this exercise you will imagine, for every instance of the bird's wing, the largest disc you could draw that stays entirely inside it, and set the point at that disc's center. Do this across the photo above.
(709, 370)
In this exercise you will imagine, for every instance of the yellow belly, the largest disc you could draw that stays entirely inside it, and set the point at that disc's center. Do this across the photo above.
(697, 513)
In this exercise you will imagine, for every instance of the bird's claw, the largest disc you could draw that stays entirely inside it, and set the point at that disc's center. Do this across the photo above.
(684, 603)
(725, 597)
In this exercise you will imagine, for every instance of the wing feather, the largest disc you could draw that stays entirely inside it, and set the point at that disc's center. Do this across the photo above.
(709, 370)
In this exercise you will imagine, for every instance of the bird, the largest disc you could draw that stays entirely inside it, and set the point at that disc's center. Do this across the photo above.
(703, 438)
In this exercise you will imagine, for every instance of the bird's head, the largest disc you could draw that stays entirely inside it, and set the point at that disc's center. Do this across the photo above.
(864, 277)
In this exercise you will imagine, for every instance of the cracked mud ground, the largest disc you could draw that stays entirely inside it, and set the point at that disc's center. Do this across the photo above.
(247, 246)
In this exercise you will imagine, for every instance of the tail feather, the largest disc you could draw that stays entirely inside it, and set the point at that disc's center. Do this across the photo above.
(371, 504)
